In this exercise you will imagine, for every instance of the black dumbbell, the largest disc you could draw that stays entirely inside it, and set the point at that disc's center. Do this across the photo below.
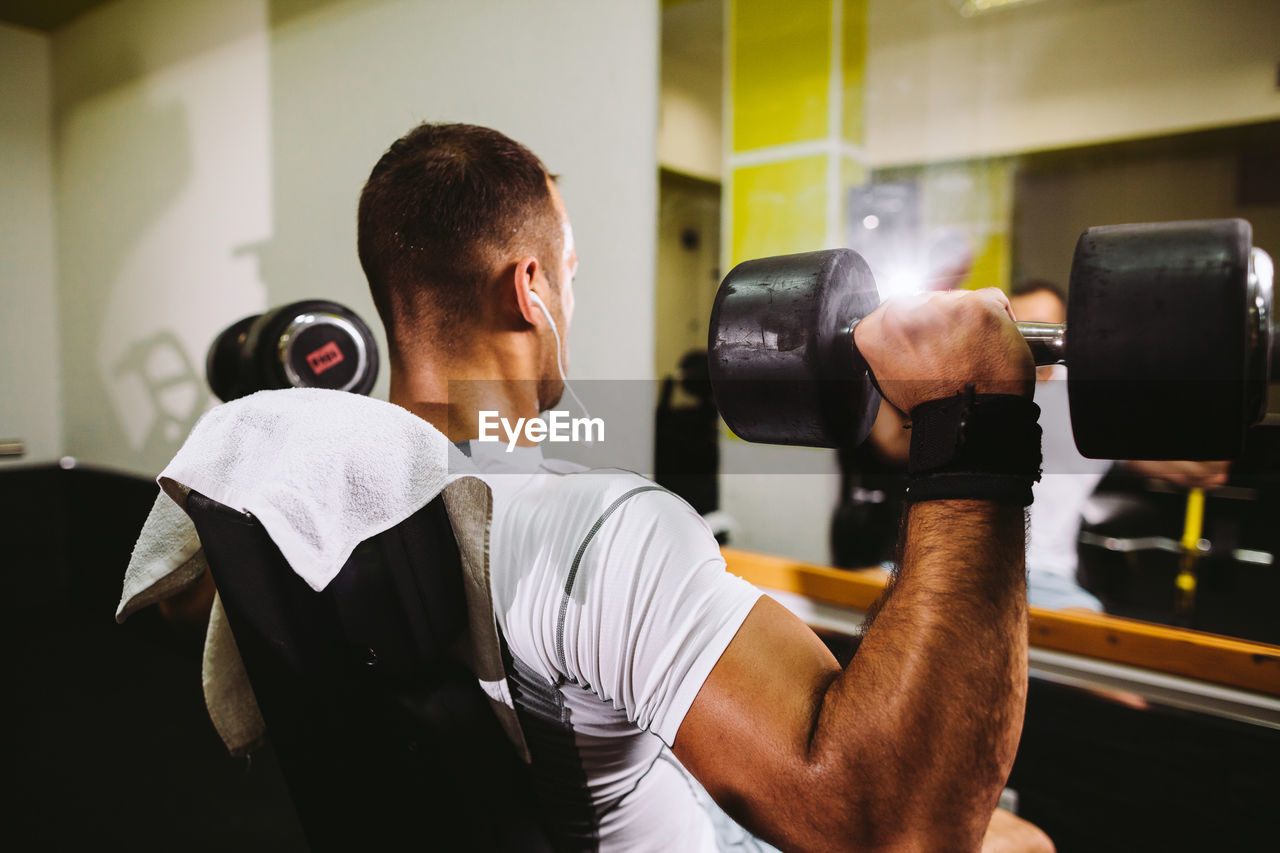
(1170, 345)
(308, 344)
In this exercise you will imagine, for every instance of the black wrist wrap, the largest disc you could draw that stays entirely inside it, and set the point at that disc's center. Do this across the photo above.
(974, 447)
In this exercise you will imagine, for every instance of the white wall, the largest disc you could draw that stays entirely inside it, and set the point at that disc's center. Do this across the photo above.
(574, 80)
(1062, 73)
(1046, 75)
(29, 397)
(689, 132)
(689, 139)
(781, 499)
(212, 152)
(164, 180)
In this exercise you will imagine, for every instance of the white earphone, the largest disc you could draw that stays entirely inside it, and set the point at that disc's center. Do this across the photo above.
(537, 300)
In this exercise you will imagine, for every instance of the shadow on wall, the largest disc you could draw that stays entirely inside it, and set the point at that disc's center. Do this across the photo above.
(123, 378)
(165, 393)
(163, 178)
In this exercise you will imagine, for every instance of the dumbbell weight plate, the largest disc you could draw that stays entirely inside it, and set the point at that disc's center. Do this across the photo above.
(321, 349)
(1160, 347)
(309, 344)
(222, 364)
(312, 344)
(1262, 346)
(777, 323)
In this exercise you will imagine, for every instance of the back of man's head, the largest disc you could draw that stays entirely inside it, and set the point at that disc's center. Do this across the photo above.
(444, 207)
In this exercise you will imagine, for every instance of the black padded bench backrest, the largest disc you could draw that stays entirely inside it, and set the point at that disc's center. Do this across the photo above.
(384, 738)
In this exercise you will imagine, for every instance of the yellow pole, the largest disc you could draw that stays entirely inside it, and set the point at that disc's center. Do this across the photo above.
(1192, 528)
(1194, 523)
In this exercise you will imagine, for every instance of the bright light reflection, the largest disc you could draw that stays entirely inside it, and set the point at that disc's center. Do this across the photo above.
(900, 280)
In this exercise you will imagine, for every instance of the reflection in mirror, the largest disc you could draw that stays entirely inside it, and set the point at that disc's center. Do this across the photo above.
(956, 150)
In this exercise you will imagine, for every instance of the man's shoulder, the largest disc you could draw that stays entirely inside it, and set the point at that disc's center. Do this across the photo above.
(593, 495)
(607, 486)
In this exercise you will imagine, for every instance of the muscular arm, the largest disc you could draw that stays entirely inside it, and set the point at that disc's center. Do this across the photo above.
(908, 747)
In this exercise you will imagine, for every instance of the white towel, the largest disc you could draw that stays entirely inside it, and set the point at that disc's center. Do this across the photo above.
(322, 471)
(166, 559)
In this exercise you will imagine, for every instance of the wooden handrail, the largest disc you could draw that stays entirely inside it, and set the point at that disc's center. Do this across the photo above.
(1177, 651)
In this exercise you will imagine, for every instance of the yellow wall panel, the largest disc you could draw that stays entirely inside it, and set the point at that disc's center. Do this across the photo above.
(780, 56)
(779, 208)
(991, 265)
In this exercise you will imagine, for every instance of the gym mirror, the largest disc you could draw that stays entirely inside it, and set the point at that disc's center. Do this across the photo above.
(963, 148)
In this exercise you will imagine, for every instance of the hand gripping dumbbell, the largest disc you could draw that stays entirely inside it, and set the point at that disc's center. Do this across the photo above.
(308, 344)
(1168, 343)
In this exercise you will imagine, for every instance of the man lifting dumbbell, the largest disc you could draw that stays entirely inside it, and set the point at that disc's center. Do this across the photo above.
(920, 730)
(635, 659)
(612, 595)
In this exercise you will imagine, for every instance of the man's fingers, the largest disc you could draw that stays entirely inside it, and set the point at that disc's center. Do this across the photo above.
(996, 297)
(930, 345)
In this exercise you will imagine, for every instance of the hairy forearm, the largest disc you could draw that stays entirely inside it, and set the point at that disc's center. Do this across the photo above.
(920, 730)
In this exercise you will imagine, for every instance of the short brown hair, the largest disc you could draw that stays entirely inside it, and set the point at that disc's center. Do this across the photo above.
(438, 208)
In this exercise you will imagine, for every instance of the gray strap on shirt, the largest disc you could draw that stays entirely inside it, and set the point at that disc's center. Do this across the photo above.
(577, 561)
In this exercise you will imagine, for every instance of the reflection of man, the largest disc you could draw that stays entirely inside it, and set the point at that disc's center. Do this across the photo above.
(1069, 478)
(873, 475)
(686, 439)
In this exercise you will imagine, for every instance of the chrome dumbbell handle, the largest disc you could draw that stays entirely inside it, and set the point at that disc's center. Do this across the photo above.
(1048, 341)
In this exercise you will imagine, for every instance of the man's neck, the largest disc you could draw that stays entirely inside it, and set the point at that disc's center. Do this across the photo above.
(450, 393)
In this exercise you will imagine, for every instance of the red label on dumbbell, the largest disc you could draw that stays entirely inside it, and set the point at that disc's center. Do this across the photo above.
(324, 358)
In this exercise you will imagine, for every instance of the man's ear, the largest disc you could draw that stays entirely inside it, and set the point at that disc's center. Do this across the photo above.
(521, 282)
